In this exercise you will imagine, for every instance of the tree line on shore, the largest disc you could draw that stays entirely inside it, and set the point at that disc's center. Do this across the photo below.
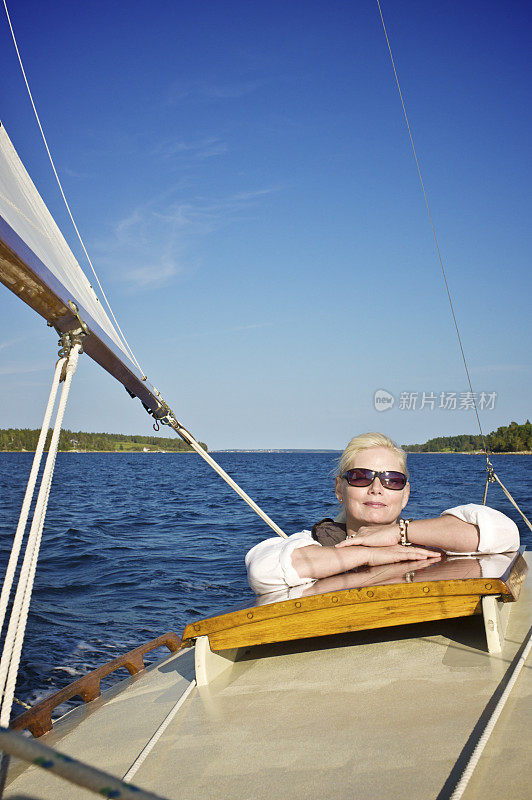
(13, 439)
(512, 438)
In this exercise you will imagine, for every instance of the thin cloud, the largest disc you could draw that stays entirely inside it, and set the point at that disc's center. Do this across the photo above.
(251, 327)
(72, 173)
(152, 276)
(206, 334)
(231, 91)
(211, 90)
(204, 148)
(156, 241)
(17, 369)
(11, 342)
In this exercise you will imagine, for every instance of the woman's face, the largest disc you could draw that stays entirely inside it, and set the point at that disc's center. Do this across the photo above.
(373, 504)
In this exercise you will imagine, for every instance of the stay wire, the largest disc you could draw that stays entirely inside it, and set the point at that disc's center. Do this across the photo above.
(191, 440)
(434, 234)
(124, 340)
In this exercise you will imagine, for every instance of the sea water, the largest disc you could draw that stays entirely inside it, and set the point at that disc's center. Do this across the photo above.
(135, 545)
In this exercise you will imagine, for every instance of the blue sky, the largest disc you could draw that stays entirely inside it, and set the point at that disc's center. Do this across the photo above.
(243, 179)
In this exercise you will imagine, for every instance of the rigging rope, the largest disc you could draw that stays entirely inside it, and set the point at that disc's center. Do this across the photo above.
(488, 730)
(124, 340)
(492, 478)
(489, 466)
(187, 437)
(12, 648)
(432, 226)
(191, 441)
(158, 733)
(74, 771)
(30, 488)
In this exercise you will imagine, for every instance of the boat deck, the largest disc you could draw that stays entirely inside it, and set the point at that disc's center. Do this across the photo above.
(377, 714)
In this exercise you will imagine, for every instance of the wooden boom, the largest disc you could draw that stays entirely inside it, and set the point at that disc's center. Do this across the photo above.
(25, 275)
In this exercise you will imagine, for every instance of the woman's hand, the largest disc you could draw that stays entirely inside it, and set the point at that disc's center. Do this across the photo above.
(397, 552)
(374, 536)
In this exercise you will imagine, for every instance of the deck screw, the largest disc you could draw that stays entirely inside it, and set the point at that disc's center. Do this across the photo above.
(426, 589)
(488, 586)
(250, 615)
(196, 627)
(334, 600)
(370, 594)
(298, 605)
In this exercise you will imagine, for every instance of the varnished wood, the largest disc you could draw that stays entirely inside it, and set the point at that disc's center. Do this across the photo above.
(366, 616)
(25, 275)
(360, 608)
(38, 720)
(514, 576)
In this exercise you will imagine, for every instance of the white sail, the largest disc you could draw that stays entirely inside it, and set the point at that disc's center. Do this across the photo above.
(25, 212)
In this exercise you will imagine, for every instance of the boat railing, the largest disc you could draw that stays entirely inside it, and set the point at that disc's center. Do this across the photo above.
(38, 720)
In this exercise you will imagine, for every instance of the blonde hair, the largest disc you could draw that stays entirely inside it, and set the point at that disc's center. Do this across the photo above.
(364, 442)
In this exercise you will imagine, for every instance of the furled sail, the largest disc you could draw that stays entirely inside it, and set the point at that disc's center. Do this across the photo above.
(37, 264)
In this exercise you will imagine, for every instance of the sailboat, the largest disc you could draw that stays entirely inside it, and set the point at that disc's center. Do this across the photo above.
(366, 685)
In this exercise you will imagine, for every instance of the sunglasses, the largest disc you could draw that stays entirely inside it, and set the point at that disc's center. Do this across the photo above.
(365, 477)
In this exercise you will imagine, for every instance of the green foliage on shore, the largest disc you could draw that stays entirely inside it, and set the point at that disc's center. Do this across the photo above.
(14, 439)
(512, 438)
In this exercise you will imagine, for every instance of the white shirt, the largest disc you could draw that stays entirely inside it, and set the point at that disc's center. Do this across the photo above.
(269, 563)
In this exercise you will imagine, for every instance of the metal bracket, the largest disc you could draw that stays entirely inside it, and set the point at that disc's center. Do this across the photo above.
(491, 478)
(495, 614)
(68, 339)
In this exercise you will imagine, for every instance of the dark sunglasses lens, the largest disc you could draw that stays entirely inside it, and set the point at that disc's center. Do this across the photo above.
(393, 480)
(359, 477)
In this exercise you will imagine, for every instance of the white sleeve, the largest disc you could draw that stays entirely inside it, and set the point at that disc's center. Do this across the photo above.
(494, 565)
(498, 533)
(269, 563)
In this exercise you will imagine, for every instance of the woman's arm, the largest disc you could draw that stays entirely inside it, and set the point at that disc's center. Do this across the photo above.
(315, 561)
(446, 533)
(464, 529)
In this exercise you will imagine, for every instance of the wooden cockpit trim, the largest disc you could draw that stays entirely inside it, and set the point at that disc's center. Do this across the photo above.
(38, 720)
(361, 608)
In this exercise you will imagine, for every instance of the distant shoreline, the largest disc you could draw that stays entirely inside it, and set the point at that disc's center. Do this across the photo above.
(109, 452)
(275, 452)
(467, 453)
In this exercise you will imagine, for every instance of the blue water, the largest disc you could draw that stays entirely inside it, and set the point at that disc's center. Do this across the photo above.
(136, 545)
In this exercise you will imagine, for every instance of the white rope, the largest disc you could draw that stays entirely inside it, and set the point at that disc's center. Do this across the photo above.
(21, 527)
(19, 613)
(481, 744)
(76, 772)
(157, 735)
(491, 478)
(512, 501)
(194, 444)
(187, 436)
(63, 194)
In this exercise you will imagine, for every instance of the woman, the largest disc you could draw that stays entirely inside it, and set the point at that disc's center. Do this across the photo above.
(372, 486)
